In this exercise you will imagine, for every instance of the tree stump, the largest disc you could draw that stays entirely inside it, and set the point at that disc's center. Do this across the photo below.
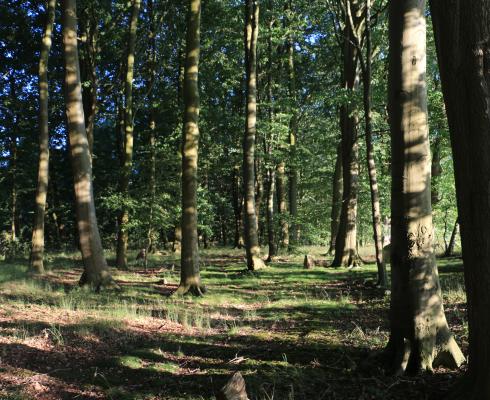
(235, 389)
(309, 262)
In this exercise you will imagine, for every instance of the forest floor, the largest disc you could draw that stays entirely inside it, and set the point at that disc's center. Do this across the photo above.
(294, 334)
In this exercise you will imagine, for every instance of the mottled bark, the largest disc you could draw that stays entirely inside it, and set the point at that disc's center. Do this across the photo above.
(190, 280)
(462, 31)
(419, 336)
(123, 234)
(252, 247)
(95, 272)
(36, 264)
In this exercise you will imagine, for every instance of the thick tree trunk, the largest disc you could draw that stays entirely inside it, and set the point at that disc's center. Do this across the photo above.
(282, 204)
(336, 200)
(36, 264)
(123, 235)
(420, 338)
(96, 272)
(462, 30)
(252, 248)
(371, 165)
(345, 244)
(190, 280)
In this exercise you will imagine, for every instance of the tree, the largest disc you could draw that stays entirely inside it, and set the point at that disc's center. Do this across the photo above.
(345, 244)
(37, 250)
(461, 33)
(420, 337)
(95, 272)
(336, 200)
(123, 235)
(250, 218)
(190, 280)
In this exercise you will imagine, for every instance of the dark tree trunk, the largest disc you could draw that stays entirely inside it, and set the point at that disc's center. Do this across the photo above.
(452, 241)
(420, 337)
(462, 30)
(237, 208)
(336, 200)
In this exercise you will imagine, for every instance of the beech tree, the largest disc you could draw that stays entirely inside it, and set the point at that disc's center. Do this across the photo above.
(251, 236)
(190, 280)
(37, 247)
(420, 337)
(127, 159)
(461, 32)
(95, 272)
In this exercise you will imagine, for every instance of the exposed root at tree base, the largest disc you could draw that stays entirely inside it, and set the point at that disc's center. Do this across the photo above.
(193, 290)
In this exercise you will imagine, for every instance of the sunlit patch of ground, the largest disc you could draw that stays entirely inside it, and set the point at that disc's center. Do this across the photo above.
(293, 333)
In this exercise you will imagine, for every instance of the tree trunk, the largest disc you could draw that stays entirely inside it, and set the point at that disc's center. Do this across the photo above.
(37, 250)
(452, 242)
(123, 235)
(420, 338)
(371, 165)
(436, 170)
(293, 131)
(237, 208)
(96, 272)
(282, 204)
(336, 200)
(461, 31)
(252, 248)
(270, 214)
(190, 280)
(345, 244)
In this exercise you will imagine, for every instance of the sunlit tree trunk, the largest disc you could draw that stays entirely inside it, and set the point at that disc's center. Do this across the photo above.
(123, 235)
(37, 247)
(336, 200)
(190, 280)
(282, 204)
(252, 248)
(96, 272)
(371, 165)
(419, 335)
(462, 30)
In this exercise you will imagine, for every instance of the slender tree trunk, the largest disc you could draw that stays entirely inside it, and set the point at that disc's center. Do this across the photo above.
(452, 241)
(37, 248)
(123, 235)
(336, 200)
(461, 31)
(282, 204)
(420, 337)
(252, 248)
(293, 131)
(371, 165)
(345, 244)
(190, 280)
(270, 214)
(96, 272)
(436, 169)
(237, 208)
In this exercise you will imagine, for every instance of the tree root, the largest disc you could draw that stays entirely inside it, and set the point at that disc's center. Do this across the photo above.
(193, 290)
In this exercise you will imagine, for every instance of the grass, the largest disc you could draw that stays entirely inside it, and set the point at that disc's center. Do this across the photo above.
(293, 333)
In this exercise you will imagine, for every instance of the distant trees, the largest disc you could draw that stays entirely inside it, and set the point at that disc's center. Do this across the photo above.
(419, 337)
(37, 247)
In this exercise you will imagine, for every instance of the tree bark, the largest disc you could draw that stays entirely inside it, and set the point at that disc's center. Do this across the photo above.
(371, 165)
(345, 244)
(252, 247)
(336, 200)
(420, 337)
(461, 32)
(123, 235)
(270, 215)
(237, 208)
(452, 241)
(36, 264)
(96, 272)
(190, 280)
(282, 204)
